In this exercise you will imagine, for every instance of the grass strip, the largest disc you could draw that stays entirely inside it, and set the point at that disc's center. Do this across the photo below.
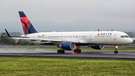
(10, 66)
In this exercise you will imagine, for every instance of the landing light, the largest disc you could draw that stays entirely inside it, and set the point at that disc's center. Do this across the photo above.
(116, 46)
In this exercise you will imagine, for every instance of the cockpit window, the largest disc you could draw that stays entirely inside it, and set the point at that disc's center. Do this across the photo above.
(124, 36)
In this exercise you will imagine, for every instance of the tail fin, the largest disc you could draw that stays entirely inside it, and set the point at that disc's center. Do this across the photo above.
(28, 28)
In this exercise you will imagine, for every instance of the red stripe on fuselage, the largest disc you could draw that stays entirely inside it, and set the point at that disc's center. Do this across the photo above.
(27, 22)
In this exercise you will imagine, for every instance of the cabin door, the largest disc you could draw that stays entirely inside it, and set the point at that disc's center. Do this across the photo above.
(90, 37)
(115, 36)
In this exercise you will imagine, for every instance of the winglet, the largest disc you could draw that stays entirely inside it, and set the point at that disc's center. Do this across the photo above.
(7, 33)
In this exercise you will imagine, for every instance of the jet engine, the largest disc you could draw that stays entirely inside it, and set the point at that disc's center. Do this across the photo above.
(97, 46)
(67, 45)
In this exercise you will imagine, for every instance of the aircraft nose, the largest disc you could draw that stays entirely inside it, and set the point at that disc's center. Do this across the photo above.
(130, 40)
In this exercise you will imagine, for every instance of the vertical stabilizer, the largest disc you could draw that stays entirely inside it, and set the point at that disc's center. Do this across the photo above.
(28, 28)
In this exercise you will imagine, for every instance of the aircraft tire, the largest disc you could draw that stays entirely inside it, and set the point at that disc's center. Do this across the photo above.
(77, 50)
(115, 52)
(60, 51)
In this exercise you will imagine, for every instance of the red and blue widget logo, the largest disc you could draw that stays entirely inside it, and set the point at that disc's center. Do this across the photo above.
(98, 34)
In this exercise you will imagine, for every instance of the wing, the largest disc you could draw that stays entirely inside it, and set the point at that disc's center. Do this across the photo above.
(42, 40)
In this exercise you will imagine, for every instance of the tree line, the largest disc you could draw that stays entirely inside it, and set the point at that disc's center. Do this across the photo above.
(5, 40)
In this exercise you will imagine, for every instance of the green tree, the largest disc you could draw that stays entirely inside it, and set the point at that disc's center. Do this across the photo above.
(4, 39)
(24, 42)
(131, 34)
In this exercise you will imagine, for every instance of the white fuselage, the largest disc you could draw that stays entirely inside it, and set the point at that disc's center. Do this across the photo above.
(91, 37)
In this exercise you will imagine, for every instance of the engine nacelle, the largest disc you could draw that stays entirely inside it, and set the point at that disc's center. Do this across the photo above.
(97, 46)
(67, 45)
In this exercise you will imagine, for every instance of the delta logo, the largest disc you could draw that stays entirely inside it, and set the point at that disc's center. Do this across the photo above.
(98, 34)
(103, 34)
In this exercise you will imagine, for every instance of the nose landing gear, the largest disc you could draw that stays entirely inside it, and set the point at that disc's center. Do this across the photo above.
(116, 49)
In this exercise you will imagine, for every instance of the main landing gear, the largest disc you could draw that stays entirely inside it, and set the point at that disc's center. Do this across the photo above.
(116, 49)
(78, 50)
(61, 51)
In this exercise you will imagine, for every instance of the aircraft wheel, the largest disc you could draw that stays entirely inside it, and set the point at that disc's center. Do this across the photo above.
(77, 50)
(60, 51)
(115, 52)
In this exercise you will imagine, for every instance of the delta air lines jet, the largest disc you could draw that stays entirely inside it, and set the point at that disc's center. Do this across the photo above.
(71, 40)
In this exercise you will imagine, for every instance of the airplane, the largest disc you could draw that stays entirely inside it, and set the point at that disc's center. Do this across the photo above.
(71, 41)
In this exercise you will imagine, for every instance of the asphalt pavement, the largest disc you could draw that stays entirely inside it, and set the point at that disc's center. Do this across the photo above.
(102, 55)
